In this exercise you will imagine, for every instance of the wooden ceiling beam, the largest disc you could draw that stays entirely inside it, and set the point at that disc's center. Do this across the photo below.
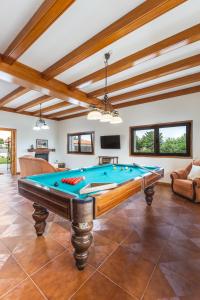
(164, 96)
(180, 65)
(67, 111)
(50, 108)
(48, 13)
(33, 103)
(158, 87)
(13, 95)
(187, 37)
(32, 79)
(25, 113)
(73, 116)
(144, 13)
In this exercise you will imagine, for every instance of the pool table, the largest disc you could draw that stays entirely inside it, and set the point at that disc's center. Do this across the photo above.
(48, 192)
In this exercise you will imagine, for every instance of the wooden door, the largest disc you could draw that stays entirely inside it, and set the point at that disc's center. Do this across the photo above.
(13, 163)
(13, 153)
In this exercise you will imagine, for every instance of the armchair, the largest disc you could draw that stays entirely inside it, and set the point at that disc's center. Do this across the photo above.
(30, 165)
(185, 187)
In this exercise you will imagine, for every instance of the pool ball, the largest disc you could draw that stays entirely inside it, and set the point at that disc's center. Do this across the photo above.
(105, 173)
(114, 167)
(56, 184)
(126, 168)
(131, 170)
(121, 168)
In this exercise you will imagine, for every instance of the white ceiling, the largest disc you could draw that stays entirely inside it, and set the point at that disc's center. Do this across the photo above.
(160, 92)
(149, 65)
(80, 22)
(6, 88)
(14, 14)
(74, 113)
(143, 37)
(60, 109)
(156, 81)
(45, 104)
(24, 99)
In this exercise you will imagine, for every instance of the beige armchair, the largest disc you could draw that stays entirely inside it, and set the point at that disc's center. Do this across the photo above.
(185, 187)
(30, 165)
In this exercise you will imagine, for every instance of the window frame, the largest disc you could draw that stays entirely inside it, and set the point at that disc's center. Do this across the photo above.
(79, 134)
(156, 128)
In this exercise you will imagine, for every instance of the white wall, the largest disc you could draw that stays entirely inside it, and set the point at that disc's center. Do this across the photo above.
(25, 134)
(175, 109)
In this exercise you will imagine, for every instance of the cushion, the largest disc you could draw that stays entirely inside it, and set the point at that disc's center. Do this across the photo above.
(194, 173)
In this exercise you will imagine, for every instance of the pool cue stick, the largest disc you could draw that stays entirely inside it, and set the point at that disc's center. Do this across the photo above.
(153, 172)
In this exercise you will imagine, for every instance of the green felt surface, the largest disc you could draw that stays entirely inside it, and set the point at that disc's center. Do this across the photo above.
(105, 174)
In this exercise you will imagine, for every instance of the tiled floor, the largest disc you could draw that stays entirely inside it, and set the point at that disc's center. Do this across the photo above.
(138, 252)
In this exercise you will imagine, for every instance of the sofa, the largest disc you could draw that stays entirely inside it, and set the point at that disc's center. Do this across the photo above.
(187, 188)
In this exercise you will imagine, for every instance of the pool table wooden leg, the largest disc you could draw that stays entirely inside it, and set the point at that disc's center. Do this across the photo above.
(40, 215)
(82, 225)
(149, 192)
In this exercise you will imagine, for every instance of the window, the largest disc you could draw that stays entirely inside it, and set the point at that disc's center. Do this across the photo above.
(144, 140)
(80, 143)
(172, 139)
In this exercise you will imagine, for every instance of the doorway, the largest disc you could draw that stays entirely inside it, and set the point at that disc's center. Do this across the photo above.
(8, 151)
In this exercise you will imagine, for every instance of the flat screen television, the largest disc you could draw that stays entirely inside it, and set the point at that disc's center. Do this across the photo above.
(110, 142)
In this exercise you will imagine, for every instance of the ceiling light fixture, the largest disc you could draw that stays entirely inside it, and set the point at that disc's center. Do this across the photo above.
(94, 114)
(107, 114)
(40, 123)
(116, 119)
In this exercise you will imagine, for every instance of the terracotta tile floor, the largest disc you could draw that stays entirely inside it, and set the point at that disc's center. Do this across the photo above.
(138, 252)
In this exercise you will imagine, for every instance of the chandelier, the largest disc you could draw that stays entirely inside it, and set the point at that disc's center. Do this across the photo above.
(40, 123)
(107, 114)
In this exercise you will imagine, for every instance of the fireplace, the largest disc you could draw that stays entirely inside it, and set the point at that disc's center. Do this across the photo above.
(43, 155)
(41, 152)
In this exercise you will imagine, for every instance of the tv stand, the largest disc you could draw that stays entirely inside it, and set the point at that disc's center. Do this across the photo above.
(108, 160)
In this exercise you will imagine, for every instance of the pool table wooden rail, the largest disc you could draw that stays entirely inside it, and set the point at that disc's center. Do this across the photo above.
(56, 201)
(112, 198)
